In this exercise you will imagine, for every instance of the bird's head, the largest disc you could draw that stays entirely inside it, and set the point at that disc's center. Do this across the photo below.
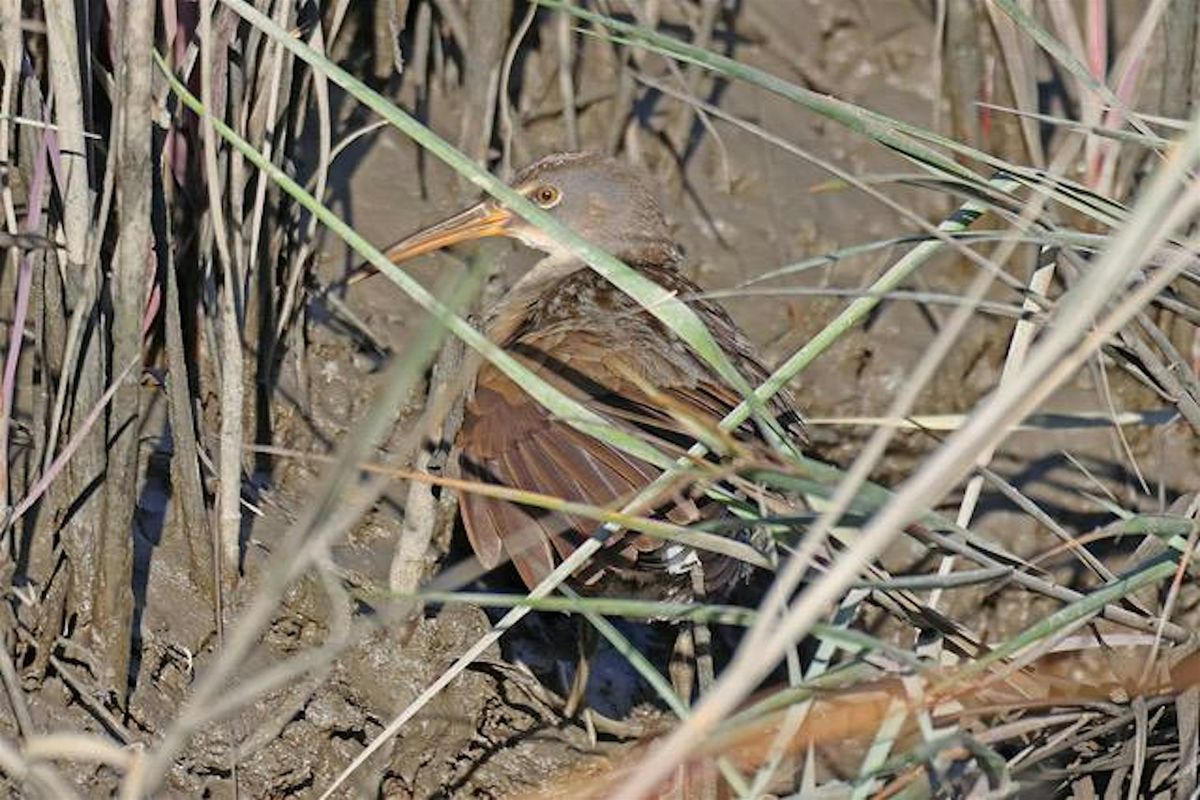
(595, 196)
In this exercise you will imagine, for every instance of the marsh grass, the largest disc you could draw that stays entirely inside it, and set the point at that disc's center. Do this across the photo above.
(166, 189)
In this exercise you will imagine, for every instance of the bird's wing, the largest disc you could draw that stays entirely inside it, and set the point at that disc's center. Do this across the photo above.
(511, 440)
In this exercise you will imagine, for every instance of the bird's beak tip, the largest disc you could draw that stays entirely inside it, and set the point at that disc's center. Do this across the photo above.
(480, 221)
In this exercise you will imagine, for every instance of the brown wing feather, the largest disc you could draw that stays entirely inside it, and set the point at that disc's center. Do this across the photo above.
(510, 440)
(524, 540)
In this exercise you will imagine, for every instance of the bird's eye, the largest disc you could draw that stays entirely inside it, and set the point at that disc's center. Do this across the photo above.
(546, 196)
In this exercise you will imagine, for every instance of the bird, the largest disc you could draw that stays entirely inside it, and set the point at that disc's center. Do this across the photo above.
(573, 328)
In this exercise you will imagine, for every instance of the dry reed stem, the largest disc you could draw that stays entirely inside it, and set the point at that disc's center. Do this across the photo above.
(190, 509)
(83, 375)
(228, 527)
(134, 256)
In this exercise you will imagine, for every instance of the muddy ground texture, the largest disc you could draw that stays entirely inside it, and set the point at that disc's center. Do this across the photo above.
(741, 208)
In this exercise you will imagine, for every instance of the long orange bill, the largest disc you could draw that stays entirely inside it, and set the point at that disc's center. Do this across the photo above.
(477, 222)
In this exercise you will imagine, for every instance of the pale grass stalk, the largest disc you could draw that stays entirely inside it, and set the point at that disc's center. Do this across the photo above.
(1130, 66)
(1172, 597)
(1018, 347)
(881, 746)
(229, 518)
(61, 29)
(798, 712)
(73, 187)
(563, 36)
(336, 20)
(985, 308)
(678, 131)
(507, 129)
(83, 747)
(277, 59)
(10, 41)
(1079, 420)
(15, 694)
(1065, 735)
(1027, 657)
(1120, 135)
(1096, 50)
(43, 776)
(936, 67)
(42, 125)
(319, 182)
(1020, 70)
(1066, 22)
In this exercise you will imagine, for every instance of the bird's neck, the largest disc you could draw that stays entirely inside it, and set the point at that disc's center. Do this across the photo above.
(508, 316)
